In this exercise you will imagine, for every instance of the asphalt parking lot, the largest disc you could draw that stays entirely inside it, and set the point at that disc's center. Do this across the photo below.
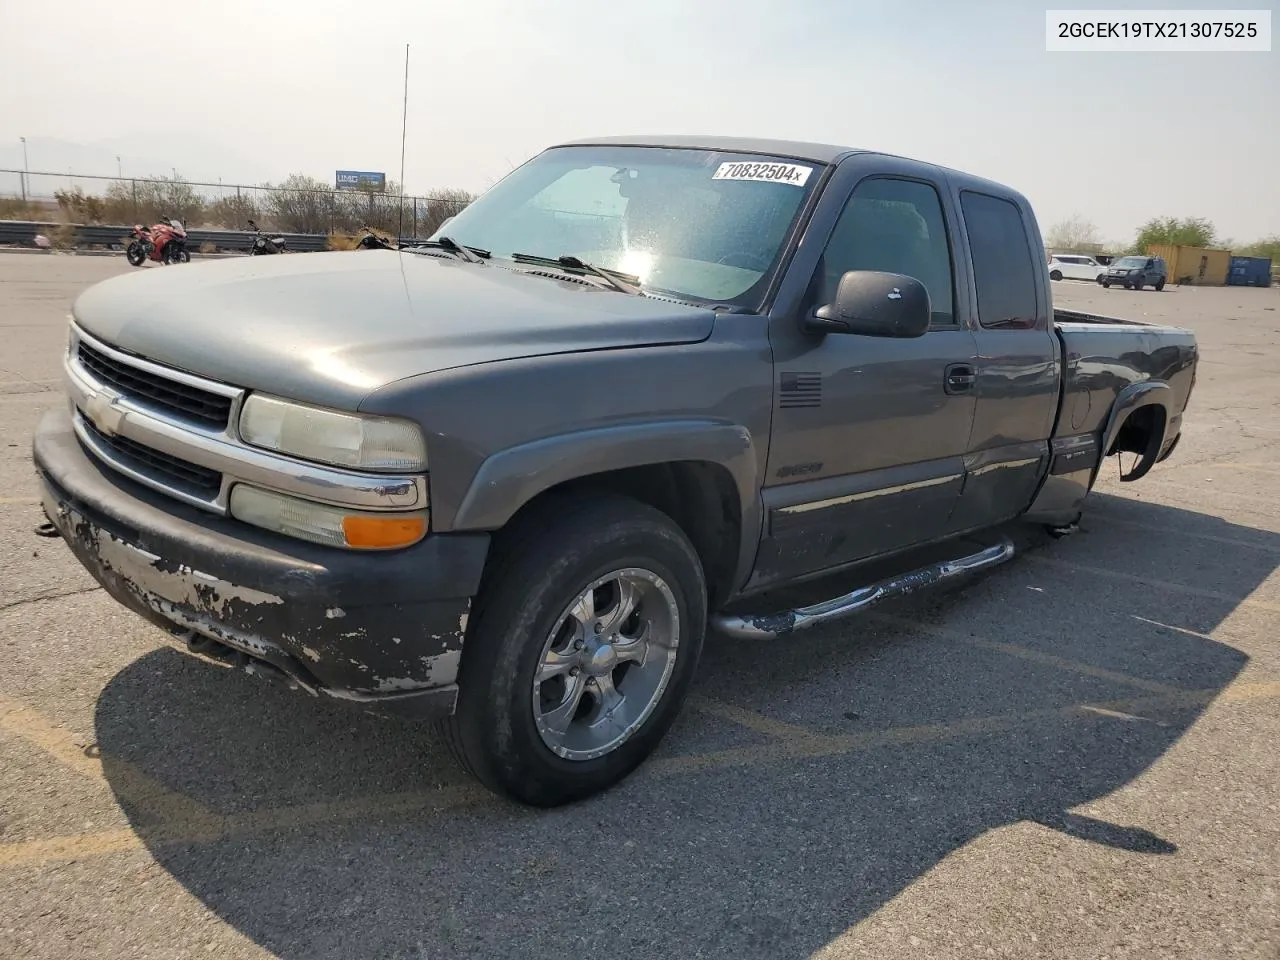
(1073, 757)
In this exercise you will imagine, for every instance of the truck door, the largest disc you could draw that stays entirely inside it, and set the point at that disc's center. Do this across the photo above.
(869, 434)
(1018, 375)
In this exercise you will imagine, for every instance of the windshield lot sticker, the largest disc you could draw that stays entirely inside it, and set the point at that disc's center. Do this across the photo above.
(791, 173)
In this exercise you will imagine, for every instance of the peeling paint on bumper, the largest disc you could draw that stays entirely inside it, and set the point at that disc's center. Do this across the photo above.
(397, 642)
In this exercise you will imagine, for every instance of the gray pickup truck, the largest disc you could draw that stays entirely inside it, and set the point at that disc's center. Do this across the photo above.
(507, 478)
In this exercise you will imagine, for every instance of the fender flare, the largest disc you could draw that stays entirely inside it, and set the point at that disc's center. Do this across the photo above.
(1132, 398)
(509, 479)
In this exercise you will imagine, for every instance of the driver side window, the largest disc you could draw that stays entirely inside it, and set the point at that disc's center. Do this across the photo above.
(896, 226)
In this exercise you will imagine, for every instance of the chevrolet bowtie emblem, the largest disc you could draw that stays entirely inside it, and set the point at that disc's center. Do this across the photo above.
(105, 412)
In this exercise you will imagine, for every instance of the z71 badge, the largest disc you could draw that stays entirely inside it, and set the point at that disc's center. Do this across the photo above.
(799, 469)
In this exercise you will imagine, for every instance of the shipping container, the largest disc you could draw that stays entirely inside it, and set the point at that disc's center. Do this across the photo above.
(1250, 272)
(1198, 266)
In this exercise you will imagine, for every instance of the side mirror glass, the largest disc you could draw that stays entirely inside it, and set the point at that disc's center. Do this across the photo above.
(871, 303)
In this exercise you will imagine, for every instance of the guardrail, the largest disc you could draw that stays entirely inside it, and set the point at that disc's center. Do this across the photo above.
(23, 233)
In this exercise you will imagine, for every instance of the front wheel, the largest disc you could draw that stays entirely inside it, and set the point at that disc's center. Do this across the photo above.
(135, 254)
(1106, 284)
(585, 640)
(1055, 275)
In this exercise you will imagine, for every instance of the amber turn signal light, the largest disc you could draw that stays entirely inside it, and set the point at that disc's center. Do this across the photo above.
(381, 533)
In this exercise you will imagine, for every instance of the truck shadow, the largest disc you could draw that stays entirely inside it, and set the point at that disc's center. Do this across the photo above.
(332, 841)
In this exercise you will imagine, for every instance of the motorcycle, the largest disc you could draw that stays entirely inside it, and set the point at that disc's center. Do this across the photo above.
(371, 241)
(164, 242)
(264, 244)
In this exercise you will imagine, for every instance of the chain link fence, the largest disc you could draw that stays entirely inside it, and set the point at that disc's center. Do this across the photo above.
(298, 205)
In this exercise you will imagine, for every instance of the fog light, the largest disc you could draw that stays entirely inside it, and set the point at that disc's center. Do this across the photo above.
(321, 523)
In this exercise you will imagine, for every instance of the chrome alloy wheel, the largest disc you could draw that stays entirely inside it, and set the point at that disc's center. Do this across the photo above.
(606, 664)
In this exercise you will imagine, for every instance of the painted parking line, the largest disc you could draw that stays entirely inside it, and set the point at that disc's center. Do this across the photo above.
(1181, 533)
(1182, 588)
(204, 831)
(1025, 653)
(157, 801)
(1210, 490)
(423, 802)
(777, 729)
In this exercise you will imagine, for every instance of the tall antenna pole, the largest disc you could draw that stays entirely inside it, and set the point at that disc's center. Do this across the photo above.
(404, 127)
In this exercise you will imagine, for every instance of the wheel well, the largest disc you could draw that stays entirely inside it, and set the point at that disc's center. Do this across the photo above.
(698, 495)
(1142, 433)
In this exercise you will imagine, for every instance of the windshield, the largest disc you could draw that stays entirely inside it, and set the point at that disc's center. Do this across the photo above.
(698, 224)
(1130, 262)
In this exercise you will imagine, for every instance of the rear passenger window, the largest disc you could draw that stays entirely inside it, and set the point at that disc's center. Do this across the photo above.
(1002, 266)
(896, 226)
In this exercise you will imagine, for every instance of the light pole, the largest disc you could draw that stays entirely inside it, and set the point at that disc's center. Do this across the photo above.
(25, 168)
(119, 168)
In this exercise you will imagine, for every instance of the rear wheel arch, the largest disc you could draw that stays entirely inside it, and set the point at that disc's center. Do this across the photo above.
(1137, 424)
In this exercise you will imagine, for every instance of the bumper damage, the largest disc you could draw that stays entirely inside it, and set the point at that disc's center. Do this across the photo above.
(383, 630)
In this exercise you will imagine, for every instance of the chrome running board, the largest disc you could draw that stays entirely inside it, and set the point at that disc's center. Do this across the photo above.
(773, 626)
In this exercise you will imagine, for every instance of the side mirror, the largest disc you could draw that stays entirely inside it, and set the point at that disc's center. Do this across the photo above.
(875, 304)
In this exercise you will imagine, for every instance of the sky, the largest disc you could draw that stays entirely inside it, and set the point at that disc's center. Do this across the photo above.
(247, 92)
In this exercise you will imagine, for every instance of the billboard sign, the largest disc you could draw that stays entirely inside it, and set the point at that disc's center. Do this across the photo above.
(361, 180)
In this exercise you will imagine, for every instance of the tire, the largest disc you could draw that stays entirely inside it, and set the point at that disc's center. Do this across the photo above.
(135, 254)
(1159, 285)
(1106, 284)
(540, 569)
(1055, 275)
(1138, 284)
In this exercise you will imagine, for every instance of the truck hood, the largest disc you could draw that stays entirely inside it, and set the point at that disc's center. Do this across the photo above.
(328, 328)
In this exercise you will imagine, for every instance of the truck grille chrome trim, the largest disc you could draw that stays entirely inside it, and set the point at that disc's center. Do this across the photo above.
(91, 438)
(153, 439)
(150, 389)
(202, 481)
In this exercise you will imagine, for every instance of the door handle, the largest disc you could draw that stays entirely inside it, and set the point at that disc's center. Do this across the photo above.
(959, 378)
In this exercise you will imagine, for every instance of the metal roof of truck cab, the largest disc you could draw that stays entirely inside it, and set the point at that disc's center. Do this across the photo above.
(796, 149)
(827, 153)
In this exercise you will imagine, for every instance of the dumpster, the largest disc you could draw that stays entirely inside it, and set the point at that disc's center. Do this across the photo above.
(1250, 272)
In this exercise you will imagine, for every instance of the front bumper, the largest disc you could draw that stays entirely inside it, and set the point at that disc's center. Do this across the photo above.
(379, 629)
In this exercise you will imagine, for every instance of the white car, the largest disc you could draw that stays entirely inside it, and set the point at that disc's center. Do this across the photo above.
(1074, 266)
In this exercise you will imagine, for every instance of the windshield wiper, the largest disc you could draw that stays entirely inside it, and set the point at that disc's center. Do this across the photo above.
(469, 254)
(625, 282)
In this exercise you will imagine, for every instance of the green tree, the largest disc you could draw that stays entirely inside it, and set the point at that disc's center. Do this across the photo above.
(1266, 247)
(1190, 232)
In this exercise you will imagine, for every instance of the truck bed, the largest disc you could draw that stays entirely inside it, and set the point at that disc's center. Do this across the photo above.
(1061, 316)
(1102, 356)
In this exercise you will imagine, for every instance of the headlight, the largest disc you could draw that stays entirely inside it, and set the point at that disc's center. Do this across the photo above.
(321, 523)
(329, 436)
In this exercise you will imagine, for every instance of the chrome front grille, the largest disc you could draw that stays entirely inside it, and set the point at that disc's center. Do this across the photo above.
(191, 478)
(176, 433)
(149, 388)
